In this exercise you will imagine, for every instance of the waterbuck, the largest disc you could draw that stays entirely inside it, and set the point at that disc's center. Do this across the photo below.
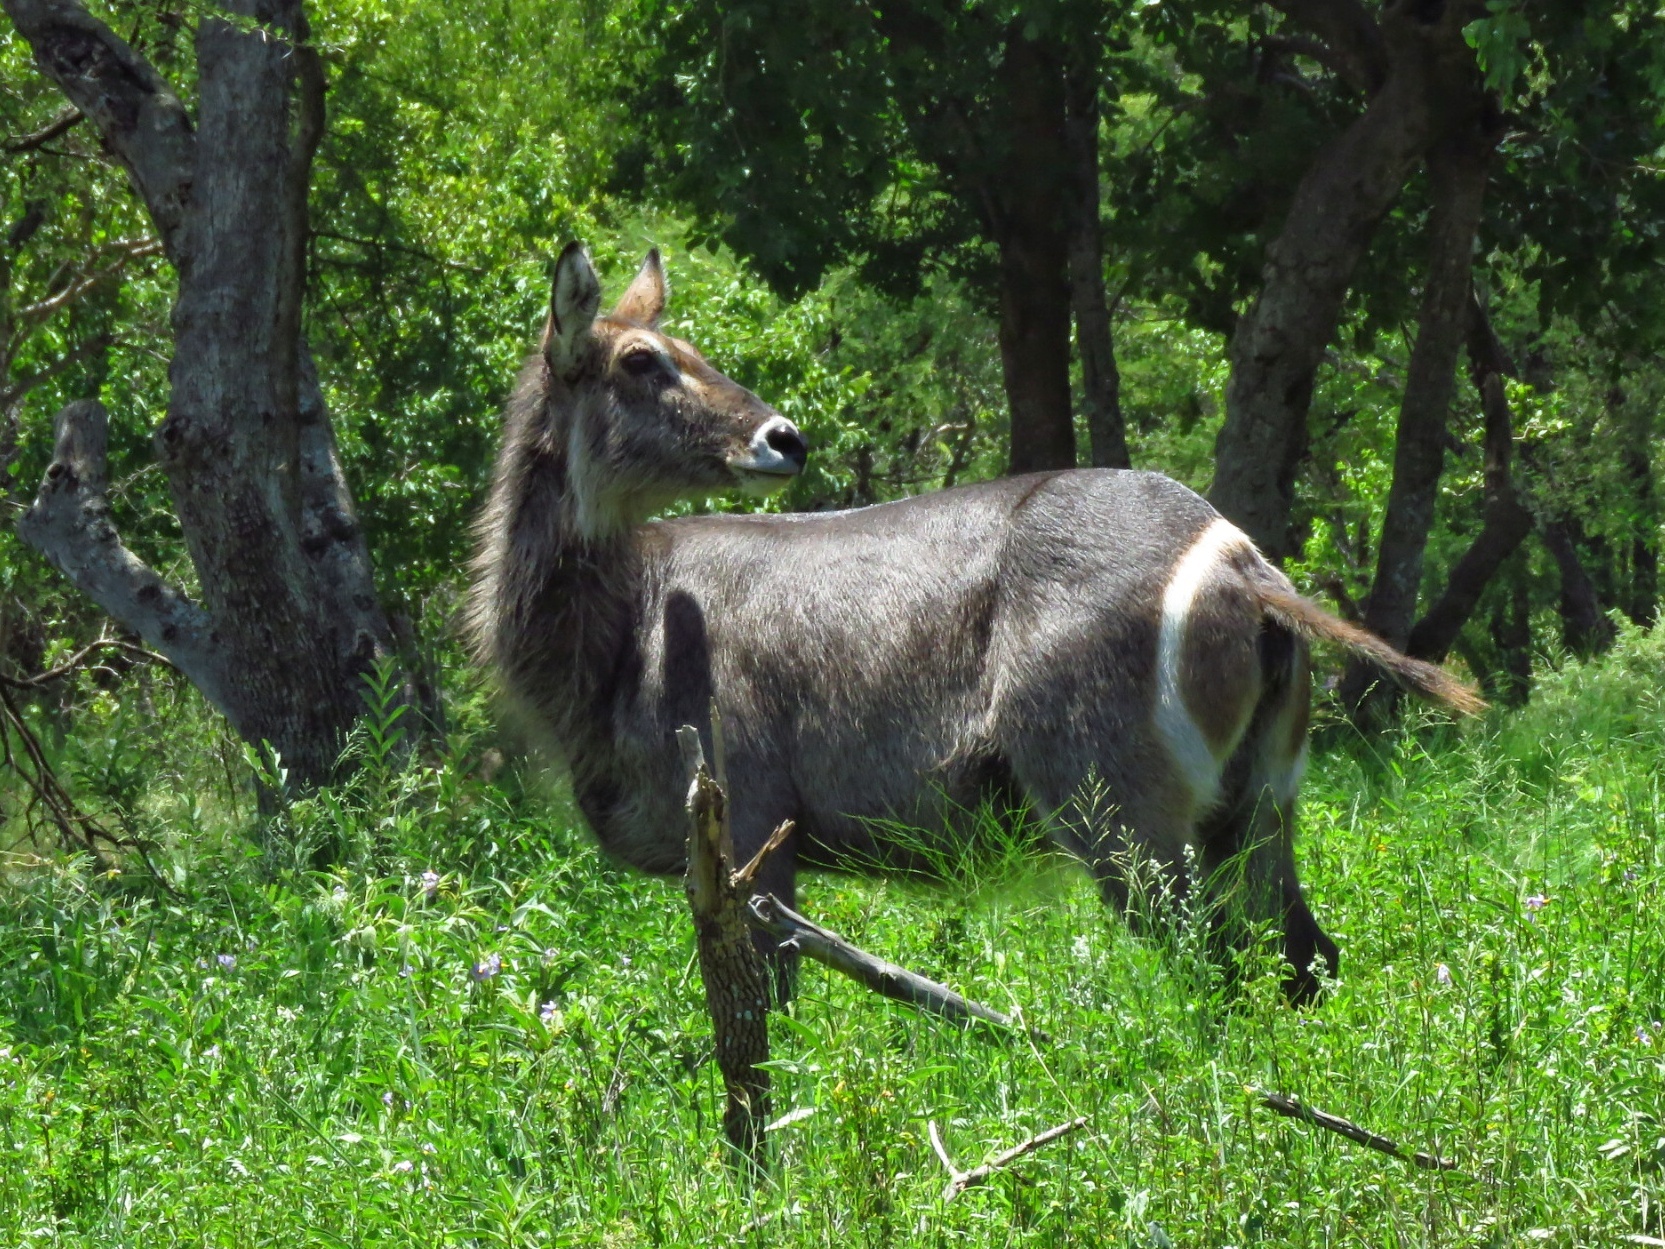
(1023, 640)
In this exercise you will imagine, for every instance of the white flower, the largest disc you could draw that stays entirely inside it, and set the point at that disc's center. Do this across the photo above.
(403, 1166)
(1442, 973)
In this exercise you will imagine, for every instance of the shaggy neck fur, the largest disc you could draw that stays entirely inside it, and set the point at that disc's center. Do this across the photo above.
(554, 579)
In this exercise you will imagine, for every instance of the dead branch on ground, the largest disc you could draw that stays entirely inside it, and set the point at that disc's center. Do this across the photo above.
(959, 1181)
(1291, 1108)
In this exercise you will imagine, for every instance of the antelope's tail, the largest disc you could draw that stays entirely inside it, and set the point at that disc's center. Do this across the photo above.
(1312, 622)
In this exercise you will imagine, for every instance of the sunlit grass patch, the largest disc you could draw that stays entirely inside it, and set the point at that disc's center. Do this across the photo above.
(475, 1031)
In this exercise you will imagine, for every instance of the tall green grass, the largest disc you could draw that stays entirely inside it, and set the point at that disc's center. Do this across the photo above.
(476, 1032)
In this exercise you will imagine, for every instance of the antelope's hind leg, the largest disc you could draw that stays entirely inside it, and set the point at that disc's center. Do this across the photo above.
(1247, 843)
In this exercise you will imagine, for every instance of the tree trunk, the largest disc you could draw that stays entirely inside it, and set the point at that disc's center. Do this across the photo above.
(1585, 628)
(287, 620)
(1458, 166)
(1512, 635)
(1641, 596)
(1029, 183)
(1277, 346)
(1506, 520)
(1100, 380)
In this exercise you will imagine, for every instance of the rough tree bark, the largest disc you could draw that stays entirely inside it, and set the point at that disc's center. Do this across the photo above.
(736, 982)
(1458, 166)
(1094, 341)
(1506, 520)
(288, 618)
(1417, 54)
(1028, 181)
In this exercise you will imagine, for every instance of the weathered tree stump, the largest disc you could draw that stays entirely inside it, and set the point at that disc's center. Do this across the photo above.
(736, 980)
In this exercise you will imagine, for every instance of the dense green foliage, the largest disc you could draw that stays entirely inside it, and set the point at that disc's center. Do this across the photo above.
(513, 1050)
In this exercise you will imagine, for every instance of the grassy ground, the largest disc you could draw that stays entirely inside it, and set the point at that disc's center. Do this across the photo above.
(512, 1051)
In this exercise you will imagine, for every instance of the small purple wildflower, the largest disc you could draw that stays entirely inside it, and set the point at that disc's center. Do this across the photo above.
(227, 962)
(1535, 903)
(1442, 973)
(547, 1013)
(486, 968)
(1643, 1037)
(430, 884)
(387, 1099)
(403, 1167)
(212, 1053)
(1630, 875)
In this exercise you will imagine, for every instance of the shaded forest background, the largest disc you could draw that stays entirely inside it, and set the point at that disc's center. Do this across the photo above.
(1378, 279)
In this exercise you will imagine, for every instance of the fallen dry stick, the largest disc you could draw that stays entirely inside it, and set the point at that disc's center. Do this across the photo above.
(959, 1181)
(1291, 1108)
(880, 975)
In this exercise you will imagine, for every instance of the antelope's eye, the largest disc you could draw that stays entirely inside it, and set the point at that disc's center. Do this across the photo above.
(639, 363)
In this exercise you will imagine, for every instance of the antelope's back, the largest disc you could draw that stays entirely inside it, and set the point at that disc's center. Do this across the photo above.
(874, 662)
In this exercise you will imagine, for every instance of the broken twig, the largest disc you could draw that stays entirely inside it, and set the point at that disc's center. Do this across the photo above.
(883, 977)
(1290, 1108)
(959, 1181)
(742, 878)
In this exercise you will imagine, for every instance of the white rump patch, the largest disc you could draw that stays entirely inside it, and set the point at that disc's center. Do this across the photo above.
(1185, 741)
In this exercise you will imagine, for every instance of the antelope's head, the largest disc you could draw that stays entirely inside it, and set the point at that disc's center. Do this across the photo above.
(644, 419)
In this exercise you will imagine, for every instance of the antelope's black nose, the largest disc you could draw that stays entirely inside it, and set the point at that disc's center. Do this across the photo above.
(783, 437)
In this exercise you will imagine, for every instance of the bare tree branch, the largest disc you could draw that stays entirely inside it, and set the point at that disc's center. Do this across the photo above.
(880, 975)
(959, 1181)
(137, 114)
(1290, 1108)
(61, 124)
(1350, 40)
(10, 395)
(69, 524)
(123, 251)
(76, 661)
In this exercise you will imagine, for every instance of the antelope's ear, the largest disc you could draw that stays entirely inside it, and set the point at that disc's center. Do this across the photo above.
(573, 301)
(644, 302)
